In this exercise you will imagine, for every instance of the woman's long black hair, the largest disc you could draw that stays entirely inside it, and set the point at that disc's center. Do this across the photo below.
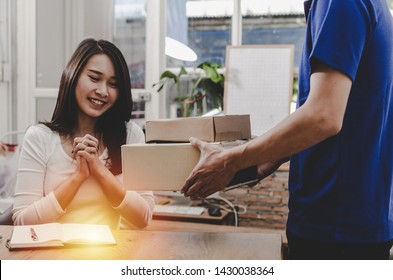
(112, 124)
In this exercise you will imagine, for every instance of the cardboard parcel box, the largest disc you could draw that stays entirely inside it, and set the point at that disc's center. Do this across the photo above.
(209, 129)
(165, 167)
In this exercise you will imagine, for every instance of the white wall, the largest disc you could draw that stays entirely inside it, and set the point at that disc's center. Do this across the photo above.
(5, 59)
(4, 108)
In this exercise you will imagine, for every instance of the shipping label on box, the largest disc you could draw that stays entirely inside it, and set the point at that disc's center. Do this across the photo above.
(209, 129)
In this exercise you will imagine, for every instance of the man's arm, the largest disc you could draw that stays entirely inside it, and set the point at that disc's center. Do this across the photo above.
(320, 117)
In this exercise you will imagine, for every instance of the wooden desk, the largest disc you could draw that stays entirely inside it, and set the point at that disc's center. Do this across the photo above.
(183, 226)
(156, 244)
(192, 227)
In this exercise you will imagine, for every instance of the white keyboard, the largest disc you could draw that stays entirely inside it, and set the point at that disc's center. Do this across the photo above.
(179, 209)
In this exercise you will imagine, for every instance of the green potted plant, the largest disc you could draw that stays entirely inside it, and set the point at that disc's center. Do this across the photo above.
(208, 87)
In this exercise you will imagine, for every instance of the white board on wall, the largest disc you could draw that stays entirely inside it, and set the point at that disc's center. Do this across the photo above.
(259, 82)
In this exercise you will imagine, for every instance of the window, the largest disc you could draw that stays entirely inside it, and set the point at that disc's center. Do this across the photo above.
(274, 22)
(206, 26)
(129, 34)
(203, 25)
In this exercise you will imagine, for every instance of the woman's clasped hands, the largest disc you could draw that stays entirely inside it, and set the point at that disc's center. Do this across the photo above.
(86, 152)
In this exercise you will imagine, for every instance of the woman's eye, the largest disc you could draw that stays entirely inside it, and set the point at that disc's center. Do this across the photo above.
(113, 84)
(93, 78)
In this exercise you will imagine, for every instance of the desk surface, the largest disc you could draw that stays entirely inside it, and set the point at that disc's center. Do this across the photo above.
(156, 244)
(192, 227)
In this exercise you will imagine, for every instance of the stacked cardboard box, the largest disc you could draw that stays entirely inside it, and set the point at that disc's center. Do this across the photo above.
(166, 166)
(209, 129)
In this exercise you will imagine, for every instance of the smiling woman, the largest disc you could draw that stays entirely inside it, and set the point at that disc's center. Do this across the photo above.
(70, 167)
(97, 84)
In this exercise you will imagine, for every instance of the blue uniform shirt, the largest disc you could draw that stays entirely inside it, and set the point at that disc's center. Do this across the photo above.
(342, 188)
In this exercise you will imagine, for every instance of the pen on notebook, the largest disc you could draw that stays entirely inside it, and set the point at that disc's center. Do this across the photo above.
(34, 235)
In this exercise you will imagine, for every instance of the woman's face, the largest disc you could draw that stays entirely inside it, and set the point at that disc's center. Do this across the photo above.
(96, 90)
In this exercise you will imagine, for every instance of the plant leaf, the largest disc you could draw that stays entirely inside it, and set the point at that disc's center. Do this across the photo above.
(212, 74)
(183, 71)
(160, 88)
(168, 75)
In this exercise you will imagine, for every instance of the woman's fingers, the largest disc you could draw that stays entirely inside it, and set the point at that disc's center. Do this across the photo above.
(87, 141)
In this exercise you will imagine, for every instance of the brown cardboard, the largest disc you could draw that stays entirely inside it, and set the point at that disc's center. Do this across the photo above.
(209, 129)
(153, 167)
(165, 167)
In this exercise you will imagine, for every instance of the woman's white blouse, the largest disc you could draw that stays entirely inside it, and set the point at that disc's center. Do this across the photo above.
(43, 165)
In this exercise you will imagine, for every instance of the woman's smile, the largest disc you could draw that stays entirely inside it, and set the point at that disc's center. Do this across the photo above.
(97, 102)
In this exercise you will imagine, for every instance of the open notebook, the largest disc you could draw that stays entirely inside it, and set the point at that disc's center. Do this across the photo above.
(56, 234)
